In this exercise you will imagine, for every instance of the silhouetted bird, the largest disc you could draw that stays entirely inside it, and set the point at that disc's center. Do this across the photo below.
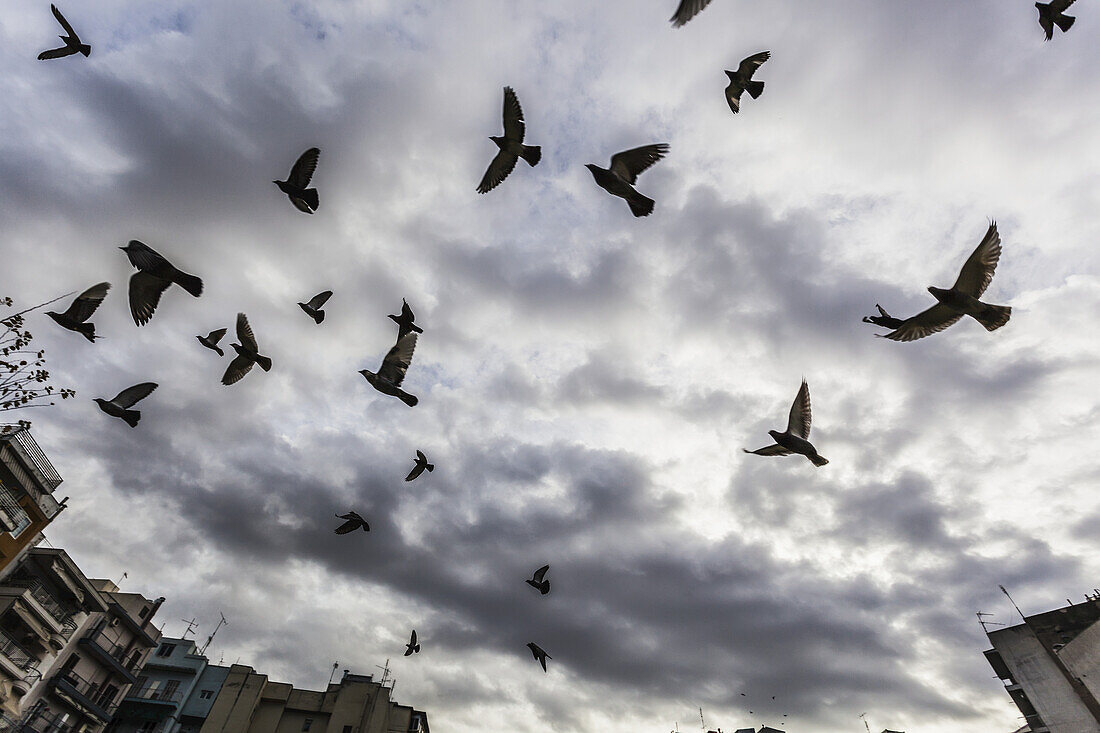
(962, 298)
(120, 406)
(883, 319)
(211, 340)
(741, 80)
(618, 180)
(81, 309)
(510, 144)
(412, 647)
(305, 199)
(539, 655)
(313, 307)
(405, 320)
(796, 437)
(421, 465)
(537, 580)
(392, 372)
(354, 522)
(155, 274)
(1050, 14)
(72, 40)
(687, 10)
(247, 353)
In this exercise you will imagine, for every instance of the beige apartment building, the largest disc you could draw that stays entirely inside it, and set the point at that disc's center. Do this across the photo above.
(27, 482)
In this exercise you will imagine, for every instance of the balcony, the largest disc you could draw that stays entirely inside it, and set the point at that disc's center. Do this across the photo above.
(82, 694)
(43, 598)
(108, 652)
(18, 660)
(61, 638)
(44, 722)
(155, 695)
(40, 465)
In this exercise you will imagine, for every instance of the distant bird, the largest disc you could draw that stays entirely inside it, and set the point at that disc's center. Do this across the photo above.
(618, 180)
(537, 580)
(883, 319)
(81, 309)
(1050, 14)
(421, 465)
(412, 647)
(539, 655)
(962, 298)
(741, 80)
(211, 340)
(247, 353)
(120, 406)
(155, 274)
(305, 199)
(72, 40)
(510, 144)
(687, 10)
(796, 437)
(405, 320)
(392, 372)
(354, 522)
(313, 307)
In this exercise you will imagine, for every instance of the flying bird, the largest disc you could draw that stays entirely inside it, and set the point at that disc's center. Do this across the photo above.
(81, 309)
(883, 319)
(618, 180)
(1050, 14)
(405, 320)
(155, 274)
(71, 39)
(247, 353)
(313, 307)
(687, 10)
(961, 299)
(796, 439)
(539, 655)
(120, 406)
(305, 199)
(354, 522)
(421, 465)
(412, 647)
(538, 582)
(741, 80)
(392, 372)
(510, 144)
(211, 340)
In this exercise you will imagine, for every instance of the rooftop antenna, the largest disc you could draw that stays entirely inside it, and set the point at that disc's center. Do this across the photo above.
(385, 673)
(190, 627)
(333, 672)
(210, 638)
(985, 623)
(701, 721)
(863, 717)
(1013, 603)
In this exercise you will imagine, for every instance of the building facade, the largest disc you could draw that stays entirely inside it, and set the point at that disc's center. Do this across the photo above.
(1050, 665)
(27, 482)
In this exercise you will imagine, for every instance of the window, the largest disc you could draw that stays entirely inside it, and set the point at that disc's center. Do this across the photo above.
(148, 726)
(170, 688)
(143, 612)
(107, 697)
(308, 722)
(166, 650)
(347, 729)
(13, 518)
(206, 694)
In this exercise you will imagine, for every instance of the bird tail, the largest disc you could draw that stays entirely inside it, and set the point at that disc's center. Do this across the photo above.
(86, 49)
(318, 316)
(1065, 22)
(818, 460)
(219, 350)
(309, 195)
(430, 467)
(407, 398)
(994, 316)
(533, 154)
(264, 362)
(755, 88)
(641, 205)
(190, 283)
(87, 330)
(131, 417)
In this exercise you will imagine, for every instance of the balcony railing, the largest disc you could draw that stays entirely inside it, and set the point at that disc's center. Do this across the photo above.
(116, 650)
(46, 472)
(43, 596)
(95, 696)
(16, 653)
(44, 722)
(155, 694)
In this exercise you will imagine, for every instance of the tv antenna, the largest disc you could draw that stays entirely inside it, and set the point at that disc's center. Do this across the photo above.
(333, 672)
(985, 623)
(210, 638)
(1003, 590)
(701, 721)
(863, 717)
(190, 627)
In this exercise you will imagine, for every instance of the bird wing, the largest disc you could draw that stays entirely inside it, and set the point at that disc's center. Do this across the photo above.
(978, 269)
(513, 116)
(132, 395)
(799, 421)
(145, 292)
(398, 359)
(303, 169)
(417, 470)
(537, 577)
(143, 256)
(770, 450)
(413, 639)
(629, 164)
(925, 323)
(349, 526)
(420, 456)
(237, 368)
(687, 10)
(216, 336)
(499, 168)
(319, 300)
(406, 311)
(64, 23)
(752, 63)
(733, 95)
(85, 304)
(56, 53)
(1057, 6)
(244, 333)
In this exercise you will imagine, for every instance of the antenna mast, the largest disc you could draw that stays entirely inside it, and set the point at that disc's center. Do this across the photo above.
(985, 623)
(863, 717)
(210, 638)
(190, 627)
(1013, 603)
(333, 672)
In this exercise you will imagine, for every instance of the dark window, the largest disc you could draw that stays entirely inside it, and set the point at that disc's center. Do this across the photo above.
(347, 729)
(307, 723)
(170, 688)
(166, 650)
(108, 695)
(206, 694)
(143, 612)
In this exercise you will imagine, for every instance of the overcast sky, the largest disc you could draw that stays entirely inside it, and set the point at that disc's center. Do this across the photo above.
(587, 380)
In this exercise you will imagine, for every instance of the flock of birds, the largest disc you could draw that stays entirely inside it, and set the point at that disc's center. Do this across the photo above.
(155, 274)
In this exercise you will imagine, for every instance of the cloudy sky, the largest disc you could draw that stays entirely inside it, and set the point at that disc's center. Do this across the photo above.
(587, 380)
